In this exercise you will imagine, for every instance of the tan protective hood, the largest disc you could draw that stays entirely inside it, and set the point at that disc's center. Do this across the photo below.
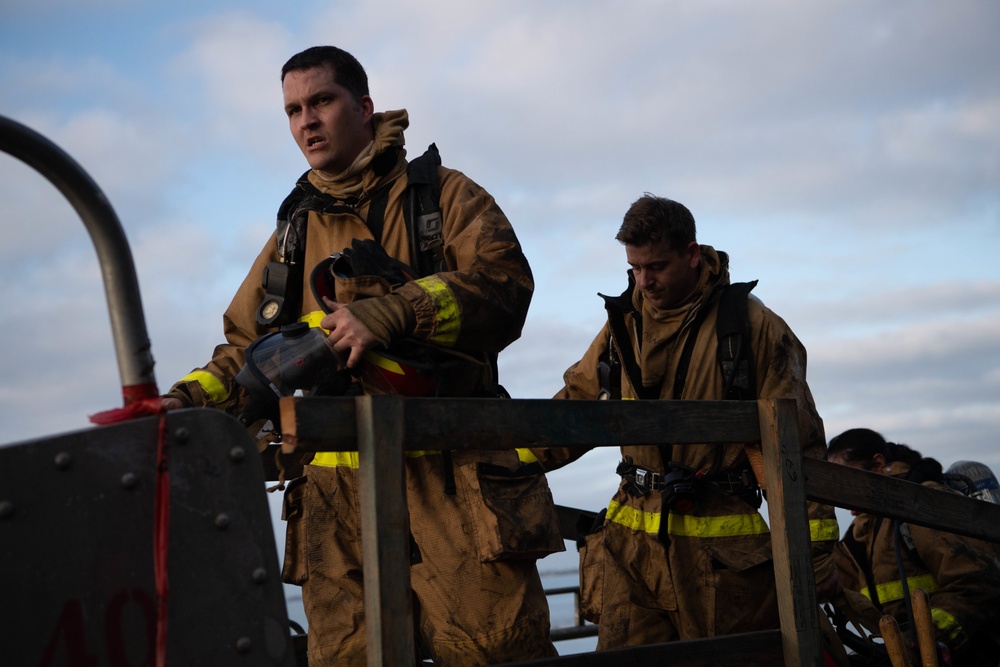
(358, 179)
(661, 327)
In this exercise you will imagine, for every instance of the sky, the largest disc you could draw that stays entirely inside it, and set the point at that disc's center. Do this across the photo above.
(846, 154)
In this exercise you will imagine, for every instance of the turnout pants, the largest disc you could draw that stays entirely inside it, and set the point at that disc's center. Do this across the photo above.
(469, 608)
(643, 592)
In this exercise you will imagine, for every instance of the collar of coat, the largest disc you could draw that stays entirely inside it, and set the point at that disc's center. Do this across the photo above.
(384, 159)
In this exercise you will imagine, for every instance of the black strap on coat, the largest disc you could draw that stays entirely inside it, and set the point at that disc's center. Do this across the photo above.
(620, 349)
(735, 343)
(857, 550)
(422, 211)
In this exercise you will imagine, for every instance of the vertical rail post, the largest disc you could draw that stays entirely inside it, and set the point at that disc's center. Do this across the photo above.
(385, 531)
(790, 542)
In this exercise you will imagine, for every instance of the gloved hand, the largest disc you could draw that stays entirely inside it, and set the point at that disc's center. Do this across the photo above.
(369, 258)
(388, 317)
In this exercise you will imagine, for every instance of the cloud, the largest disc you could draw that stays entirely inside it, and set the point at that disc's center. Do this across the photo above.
(844, 154)
(236, 94)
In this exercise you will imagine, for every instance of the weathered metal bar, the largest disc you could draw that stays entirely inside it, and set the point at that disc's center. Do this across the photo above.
(326, 424)
(384, 531)
(790, 544)
(898, 499)
(121, 287)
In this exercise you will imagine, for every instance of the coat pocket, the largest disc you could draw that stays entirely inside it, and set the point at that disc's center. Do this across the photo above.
(739, 555)
(514, 516)
(592, 555)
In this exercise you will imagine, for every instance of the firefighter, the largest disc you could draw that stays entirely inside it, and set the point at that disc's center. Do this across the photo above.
(682, 551)
(478, 598)
(885, 559)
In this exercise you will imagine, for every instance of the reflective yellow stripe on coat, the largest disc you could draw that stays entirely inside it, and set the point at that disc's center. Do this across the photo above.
(893, 590)
(686, 525)
(313, 319)
(946, 623)
(709, 526)
(350, 459)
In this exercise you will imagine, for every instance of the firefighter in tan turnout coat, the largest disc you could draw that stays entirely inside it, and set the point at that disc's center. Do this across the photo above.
(886, 560)
(478, 598)
(682, 551)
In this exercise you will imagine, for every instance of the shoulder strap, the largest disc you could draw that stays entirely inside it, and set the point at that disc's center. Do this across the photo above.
(857, 550)
(422, 211)
(282, 280)
(680, 377)
(735, 353)
(621, 341)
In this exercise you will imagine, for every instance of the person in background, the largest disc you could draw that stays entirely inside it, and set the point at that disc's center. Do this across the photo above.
(477, 598)
(682, 551)
(885, 559)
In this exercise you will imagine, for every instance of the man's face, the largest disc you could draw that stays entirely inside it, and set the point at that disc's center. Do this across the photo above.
(665, 276)
(877, 464)
(330, 127)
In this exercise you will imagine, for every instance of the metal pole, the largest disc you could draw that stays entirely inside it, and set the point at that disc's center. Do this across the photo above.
(128, 324)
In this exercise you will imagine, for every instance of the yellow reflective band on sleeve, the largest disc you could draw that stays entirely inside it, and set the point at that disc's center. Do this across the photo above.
(525, 456)
(946, 623)
(893, 590)
(822, 530)
(313, 319)
(350, 459)
(449, 321)
(686, 525)
(212, 385)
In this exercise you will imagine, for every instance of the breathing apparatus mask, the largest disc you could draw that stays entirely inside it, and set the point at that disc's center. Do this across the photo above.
(296, 357)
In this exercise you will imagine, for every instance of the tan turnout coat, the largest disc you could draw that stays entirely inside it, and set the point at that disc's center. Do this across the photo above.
(714, 575)
(478, 597)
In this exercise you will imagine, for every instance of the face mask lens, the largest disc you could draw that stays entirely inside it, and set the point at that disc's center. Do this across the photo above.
(278, 364)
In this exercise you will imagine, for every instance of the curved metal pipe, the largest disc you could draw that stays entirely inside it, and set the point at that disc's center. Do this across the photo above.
(128, 324)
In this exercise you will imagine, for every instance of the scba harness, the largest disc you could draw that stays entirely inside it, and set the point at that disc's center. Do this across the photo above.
(282, 280)
(680, 485)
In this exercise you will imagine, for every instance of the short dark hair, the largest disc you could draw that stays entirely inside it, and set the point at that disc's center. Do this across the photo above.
(860, 445)
(652, 219)
(347, 71)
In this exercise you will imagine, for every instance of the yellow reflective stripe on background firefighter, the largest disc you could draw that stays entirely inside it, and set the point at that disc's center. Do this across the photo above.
(822, 530)
(893, 590)
(210, 384)
(946, 623)
(449, 321)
